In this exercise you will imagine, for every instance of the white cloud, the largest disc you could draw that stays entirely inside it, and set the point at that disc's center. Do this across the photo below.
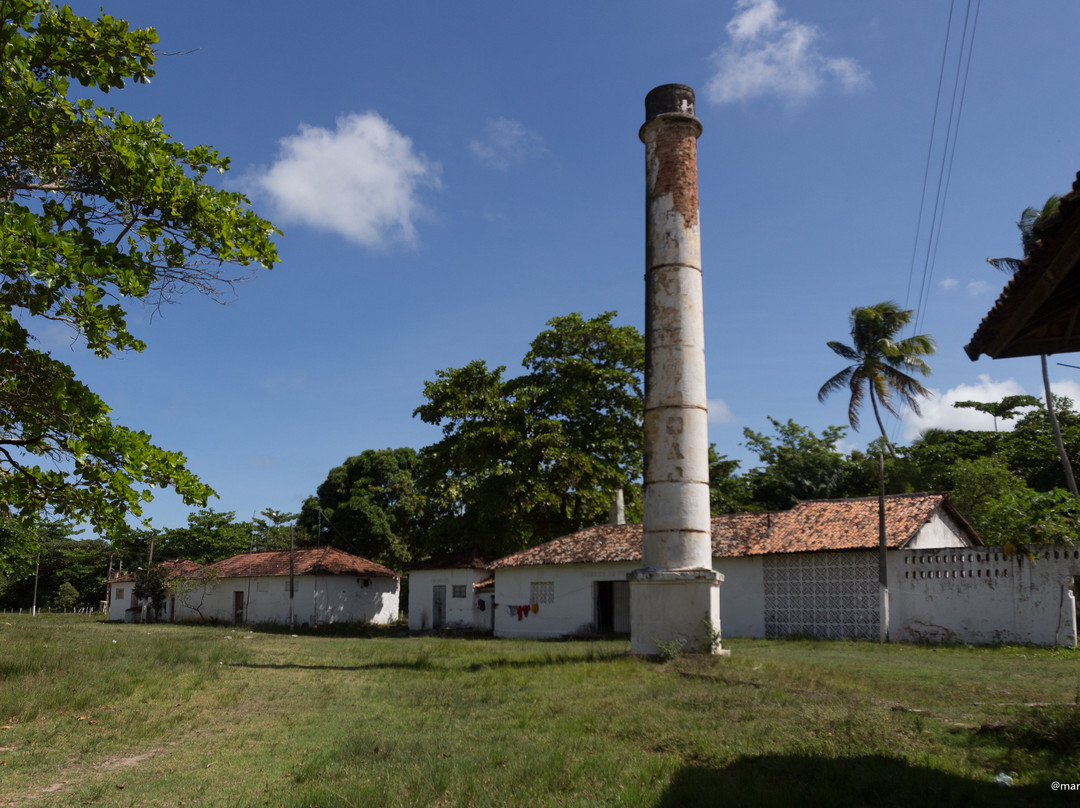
(1068, 388)
(949, 283)
(361, 181)
(977, 288)
(939, 412)
(719, 413)
(506, 142)
(771, 54)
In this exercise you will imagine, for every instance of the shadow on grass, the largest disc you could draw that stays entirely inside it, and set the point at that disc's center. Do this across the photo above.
(784, 781)
(425, 662)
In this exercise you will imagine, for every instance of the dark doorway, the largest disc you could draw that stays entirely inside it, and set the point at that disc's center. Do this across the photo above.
(238, 608)
(438, 606)
(612, 607)
(605, 607)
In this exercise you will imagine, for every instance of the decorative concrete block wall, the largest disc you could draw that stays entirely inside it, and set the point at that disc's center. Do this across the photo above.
(830, 595)
(980, 595)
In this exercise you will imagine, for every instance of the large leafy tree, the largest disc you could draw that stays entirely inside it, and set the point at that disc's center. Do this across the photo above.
(1006, 511)
(881, 363)
(98, 211)
(368, 505)
(1027, 450)
(529, 458)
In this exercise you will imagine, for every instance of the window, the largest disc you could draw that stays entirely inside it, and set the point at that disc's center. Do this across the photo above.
(120, 593)
(542, 592)
(459, 590)
(262, 586)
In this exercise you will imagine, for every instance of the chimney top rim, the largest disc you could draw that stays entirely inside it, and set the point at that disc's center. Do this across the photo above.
(669, 99)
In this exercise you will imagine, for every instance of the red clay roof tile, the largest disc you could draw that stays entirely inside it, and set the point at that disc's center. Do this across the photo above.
(847, 524)
(732, 535)
(852, 524)
(307, 561)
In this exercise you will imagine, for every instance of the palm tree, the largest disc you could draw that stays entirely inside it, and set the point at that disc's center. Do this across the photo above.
(879, 362)
(1028, 239)
(1028, 219)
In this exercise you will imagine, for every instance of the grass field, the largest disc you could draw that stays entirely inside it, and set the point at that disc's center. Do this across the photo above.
(101, 714)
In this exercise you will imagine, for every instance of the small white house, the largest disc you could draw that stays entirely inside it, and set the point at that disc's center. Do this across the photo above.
(122, 604)
(328, 586)
(448, 593)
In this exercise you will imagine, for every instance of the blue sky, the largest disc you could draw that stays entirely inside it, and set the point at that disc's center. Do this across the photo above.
(450, 176)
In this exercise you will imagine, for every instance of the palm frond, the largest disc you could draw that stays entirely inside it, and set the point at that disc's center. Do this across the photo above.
(837, 382)
(844, 351)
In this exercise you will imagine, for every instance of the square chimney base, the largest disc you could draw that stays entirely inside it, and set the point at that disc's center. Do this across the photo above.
(673, 606)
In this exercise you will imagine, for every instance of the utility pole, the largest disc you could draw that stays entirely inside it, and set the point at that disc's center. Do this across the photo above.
(292, 573)
(37, 569)
(883, 576)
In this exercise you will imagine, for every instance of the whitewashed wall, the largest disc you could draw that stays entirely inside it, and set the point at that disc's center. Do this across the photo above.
(318, 600)
(742, 597)
(978, 595)
(574, 608)
(461, 613)
(939, 531)
(121, 598)
(944, 593)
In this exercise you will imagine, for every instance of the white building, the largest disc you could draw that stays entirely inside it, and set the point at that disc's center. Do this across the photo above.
(329, 586)
(448, 593)
(811, 571)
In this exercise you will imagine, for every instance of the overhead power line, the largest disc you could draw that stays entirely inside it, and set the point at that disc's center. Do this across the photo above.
(947, 150)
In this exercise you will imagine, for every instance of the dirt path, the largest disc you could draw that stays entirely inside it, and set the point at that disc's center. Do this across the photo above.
(72, 776)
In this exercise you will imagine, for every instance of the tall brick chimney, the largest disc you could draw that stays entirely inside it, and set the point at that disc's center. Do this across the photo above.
(675, 595)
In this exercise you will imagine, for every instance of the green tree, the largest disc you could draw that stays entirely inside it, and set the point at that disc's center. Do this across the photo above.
(728, 492)
(583, 397)
(1005, 511)
(209, 536)
(525, 459)
(797, 465)
(17, 547)
(1007, 409)
(60, 559)
(1031, 448)
(1027, 450)
(935, 451)
(272, 529)
(97, 209)
(1030, 219)
(66, 597)
(152, 585)
(368, 506)
(880, 363)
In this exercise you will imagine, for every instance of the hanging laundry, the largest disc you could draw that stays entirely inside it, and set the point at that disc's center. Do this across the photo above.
(535, 608)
